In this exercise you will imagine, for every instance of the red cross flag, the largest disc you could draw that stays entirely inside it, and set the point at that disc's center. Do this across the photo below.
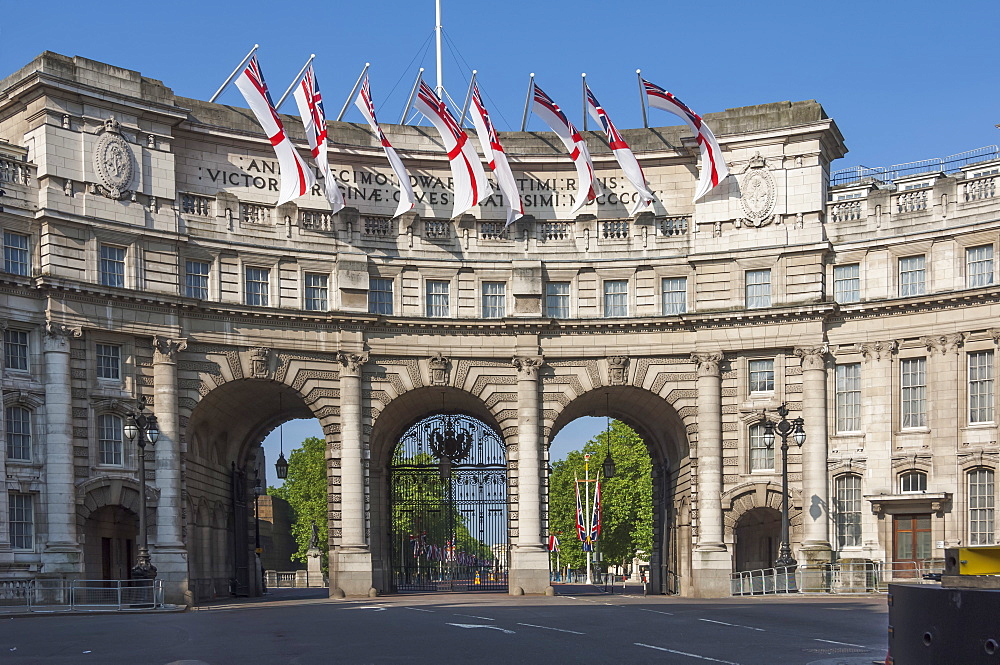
(310, 103)
(496, 158)
(623, 153)
(367, 108)
(296, 178)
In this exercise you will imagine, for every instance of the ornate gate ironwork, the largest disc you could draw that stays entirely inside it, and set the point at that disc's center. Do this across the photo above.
(449, 522)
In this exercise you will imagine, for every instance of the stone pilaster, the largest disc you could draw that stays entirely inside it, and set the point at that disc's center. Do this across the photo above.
(815, 542)
(61, 555)
(529, 561)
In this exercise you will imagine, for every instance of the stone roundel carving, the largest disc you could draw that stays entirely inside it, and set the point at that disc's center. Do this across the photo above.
(758, 193)
(114, 161)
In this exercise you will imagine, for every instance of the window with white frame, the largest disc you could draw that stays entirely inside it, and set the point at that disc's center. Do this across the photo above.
(257, 286)
(761, 455)
(380, 295)
(981, 387)
(112, 265)
(317, 291)
(615, 298)
(110, 448)
(557, 300)
(912, 276)
(913, 481)
(982, 494)
(848, 390)
(847, 490)
(109, 361)
(847, 283)
(15, 350)
(761, 376)
(913, 374)
(494, 300)
(21, 520)
(438, 296)
(758, 288)
(18, 428)
(16, 258)
(196, 279)
(979, 266)
(674, 295)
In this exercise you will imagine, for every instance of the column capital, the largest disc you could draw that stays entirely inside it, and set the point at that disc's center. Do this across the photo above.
(812, 357)
(57, 336)
(943, 344)
(527, 366)
(708, 363)
(351, 362)
(165, 349)
(878, 350)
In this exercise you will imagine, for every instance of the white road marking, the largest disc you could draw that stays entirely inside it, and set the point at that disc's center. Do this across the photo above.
(846, 644)
(685, 653)
(368, 607)
(473, 616)
(734, 625)
(561, 630)
(643, 609)
(479, 625)
(417, 609)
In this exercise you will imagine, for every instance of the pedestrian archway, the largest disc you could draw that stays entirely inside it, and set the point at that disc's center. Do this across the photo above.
(757, 536)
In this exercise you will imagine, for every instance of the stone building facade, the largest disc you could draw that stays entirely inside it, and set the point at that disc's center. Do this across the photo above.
(144, 258)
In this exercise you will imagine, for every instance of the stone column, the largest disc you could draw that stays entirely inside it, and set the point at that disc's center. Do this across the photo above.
(168, 554)
(529, 561)
(352, 558)
(815, 542)
(62, 551)
(711, 563)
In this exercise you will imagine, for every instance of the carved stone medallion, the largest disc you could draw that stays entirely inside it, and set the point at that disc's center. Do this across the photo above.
(114, 162)
(759, 194)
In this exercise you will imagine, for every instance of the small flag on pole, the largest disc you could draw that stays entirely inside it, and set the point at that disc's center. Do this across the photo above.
(581, 530)
(553, 544)
(595, 515)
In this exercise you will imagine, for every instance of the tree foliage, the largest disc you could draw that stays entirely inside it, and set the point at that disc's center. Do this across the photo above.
(627, 499)
(305, 490)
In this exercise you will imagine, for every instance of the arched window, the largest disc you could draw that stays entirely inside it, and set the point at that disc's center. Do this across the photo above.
(18, 426)
(913, 481)
(982, 496)
(761, 455)
(847, 490)
(110, 448)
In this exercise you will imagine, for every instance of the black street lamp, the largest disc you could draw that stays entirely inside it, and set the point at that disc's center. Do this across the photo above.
(784, 427)
(138, 424)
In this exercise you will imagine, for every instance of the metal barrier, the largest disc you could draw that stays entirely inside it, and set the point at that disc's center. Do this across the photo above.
(844, 578)
(54, 595)
(949, 164)
(764, 581)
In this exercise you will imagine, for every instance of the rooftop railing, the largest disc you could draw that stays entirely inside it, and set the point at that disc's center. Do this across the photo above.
(949, 164)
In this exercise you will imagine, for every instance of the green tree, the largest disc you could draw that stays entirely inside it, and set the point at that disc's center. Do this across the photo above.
(305, 490)
(626, 499)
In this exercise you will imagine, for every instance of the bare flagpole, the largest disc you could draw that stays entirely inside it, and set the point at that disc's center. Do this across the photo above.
(583, 77)
(347, 103)
(238, 68)
(527, 100)
(413, 93)
(295, 81)
(440, 68)
(642, 98)
(468, 96)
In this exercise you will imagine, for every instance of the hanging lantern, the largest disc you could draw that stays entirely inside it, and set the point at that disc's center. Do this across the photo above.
(281, 466)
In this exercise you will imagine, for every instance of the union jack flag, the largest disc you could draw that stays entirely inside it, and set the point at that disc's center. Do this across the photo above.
(614, 138)
(581, 529)
(595, 515)
(406, 196)
(310, 102)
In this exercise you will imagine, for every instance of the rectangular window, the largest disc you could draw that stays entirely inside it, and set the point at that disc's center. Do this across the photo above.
(22, 521)
(557, 300)
(761, 455)
(912, 276)
(762, 376)
(674, 295)
(380, 295)
(849, 397)
(196, 279)
(15, 350)
(848, 506)
(494, 300)
(258, 283)
(437, 298)
(847, 283)
(317, 291)
(981, 498)
(18, 426)
(112, 266)
(914, 393)
(110, 450)
(979, 265)
(981, 387)
(616, 298)
(109, 361)
(15, 254)
(758, 288)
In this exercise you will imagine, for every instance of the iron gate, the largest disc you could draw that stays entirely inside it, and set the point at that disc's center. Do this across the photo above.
(448, 489)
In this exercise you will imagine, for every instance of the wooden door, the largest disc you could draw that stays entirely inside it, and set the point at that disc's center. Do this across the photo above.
(911, 544)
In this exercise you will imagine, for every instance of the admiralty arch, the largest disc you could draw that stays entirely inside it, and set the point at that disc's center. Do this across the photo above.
(144, 259)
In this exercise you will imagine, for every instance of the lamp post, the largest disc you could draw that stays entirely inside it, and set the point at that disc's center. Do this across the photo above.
(142, 428)
(784, 427)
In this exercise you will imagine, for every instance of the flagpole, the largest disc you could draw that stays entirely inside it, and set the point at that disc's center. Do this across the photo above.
(350, 97)
(413, 93)
(468, 96)
(440, 68)
(527, 100)
(642, 98)
(583, 77)
(295, 81)
(238, 68)
(586, 512)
